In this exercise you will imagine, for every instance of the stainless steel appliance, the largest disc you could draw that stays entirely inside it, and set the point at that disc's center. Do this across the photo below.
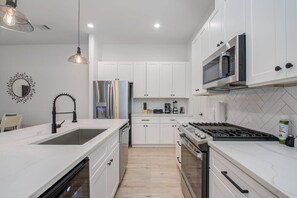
(175, 109)
(226, 68)
(124, 144)
(112, 100)
(76, 183)
(195, 155)
(167, 108)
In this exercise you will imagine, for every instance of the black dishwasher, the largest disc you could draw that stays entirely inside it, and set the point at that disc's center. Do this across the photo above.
(74, 184)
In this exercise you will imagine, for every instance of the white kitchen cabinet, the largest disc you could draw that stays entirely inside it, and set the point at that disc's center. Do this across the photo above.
(216, 27)
(234, 18)
(166, 79)
(204, 38)
(167, 134)
(179, 80)
(115, 71)
(153, 80)
(173, 80)
(125, 71)
(104, 168)
(139, 85)
(222, 171)
(197, 77)
(271, 41)
(178, 146)
(113, 173)
(138, 134)
(107, 71)
(152, 134)
(217, 188)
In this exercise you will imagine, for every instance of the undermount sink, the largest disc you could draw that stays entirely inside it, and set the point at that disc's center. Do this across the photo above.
(77, 137)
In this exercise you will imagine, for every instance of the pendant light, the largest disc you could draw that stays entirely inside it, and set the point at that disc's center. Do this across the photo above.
(12, 19)
(78, 58)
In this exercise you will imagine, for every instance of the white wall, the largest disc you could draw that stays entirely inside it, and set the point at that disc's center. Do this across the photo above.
(48, 66)
(144, 52)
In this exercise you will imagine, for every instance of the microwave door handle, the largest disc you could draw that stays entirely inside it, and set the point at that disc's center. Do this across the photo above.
(221, 66)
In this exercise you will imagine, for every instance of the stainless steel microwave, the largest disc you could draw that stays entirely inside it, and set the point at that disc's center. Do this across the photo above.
(226, 68)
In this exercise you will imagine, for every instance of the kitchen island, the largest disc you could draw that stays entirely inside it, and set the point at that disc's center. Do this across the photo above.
(28, 169)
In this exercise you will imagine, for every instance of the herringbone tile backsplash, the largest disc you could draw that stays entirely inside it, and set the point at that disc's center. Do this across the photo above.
(259, 108)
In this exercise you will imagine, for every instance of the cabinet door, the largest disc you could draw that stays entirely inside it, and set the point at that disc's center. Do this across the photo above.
(139, 76)
(138, 134)
(204, 35)
(98, 182)
(167, 134)
(113, 169)
(217, 188)
(216, 33)
(153, 80)
(291, 28)
(152, 134)
(107, 71)
(265, 40)
(179, 80)
(125, 71)
(234, 20)
(166, 80)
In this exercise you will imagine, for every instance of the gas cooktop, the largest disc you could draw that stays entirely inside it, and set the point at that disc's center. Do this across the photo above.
(229, 132)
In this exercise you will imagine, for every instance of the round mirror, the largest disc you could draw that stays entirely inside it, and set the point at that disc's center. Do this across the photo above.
(21, 88)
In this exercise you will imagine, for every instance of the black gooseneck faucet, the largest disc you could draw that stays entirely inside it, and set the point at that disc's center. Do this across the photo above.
(54, 113)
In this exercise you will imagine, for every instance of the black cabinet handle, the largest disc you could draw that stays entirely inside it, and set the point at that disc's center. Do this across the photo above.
(110, 161)
(201, 114)
(178, 143)
(277, 68)
(221, 42)
(196, 89)
(233, 182)
(178, 160)
(289, 65)
(218, 45)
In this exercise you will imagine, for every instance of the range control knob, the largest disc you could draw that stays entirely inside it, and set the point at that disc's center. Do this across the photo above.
(202, 136)
(185, 124)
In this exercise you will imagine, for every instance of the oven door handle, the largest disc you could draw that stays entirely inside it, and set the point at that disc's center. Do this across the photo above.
(192, 148)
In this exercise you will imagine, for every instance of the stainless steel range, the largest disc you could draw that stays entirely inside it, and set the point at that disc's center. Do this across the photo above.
(195, 157)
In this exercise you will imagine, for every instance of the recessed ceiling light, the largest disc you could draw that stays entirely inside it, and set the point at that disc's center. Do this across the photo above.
(90, 25)
(157, 25)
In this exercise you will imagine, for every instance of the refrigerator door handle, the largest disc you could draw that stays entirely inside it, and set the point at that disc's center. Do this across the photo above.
(108, 101)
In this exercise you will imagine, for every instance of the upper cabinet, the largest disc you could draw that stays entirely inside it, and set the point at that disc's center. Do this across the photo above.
(173, 80)
(216, 27)
(139, 85)
(271, 43)
(115, 71)
(152, 80)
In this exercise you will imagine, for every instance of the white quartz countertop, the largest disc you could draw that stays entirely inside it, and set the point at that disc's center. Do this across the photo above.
(161, 115)
(28, 169)
(271, 164)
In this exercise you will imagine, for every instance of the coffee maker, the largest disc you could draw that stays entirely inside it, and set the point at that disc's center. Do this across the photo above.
(175, 109)
(167, 108)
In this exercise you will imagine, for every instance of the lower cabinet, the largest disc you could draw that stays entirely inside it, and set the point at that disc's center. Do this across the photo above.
(152, 134)
(104, 169)
(167, 133)
(227, 180)
(178, 146)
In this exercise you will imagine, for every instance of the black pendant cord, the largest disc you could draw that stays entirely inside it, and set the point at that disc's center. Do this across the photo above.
(78, 35)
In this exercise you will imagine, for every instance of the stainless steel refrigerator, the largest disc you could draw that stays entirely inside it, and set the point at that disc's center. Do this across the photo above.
(113, 100)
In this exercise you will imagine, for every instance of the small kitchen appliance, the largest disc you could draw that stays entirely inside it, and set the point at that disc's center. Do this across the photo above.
(182, 110)
(175, 109)
(167, 108)
(157, 111)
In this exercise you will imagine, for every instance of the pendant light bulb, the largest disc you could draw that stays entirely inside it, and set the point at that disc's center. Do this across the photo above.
(9, 17)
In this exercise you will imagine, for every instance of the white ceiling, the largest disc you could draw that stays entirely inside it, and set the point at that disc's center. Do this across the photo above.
(116, 21)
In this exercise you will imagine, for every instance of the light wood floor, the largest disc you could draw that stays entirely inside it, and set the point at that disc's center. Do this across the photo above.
(151, 173)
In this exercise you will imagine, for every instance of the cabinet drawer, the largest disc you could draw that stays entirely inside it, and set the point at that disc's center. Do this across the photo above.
(98, 156)
(113, 141)
(228, 173)
(146, 120)
(167, 120)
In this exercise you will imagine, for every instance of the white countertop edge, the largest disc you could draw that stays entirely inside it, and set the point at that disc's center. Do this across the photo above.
(256, 177)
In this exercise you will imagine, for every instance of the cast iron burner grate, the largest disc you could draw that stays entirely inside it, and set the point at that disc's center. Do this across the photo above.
(229, 132)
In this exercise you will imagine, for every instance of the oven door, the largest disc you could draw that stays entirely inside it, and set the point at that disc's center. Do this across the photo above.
(194, 170)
